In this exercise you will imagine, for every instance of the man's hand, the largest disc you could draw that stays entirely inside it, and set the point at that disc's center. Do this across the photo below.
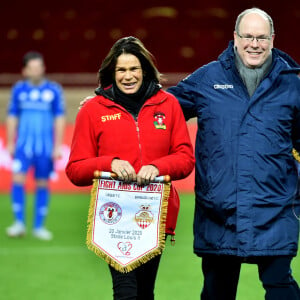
(81, 103)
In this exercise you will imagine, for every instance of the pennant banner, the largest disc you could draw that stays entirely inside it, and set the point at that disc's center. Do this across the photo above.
(126, 222)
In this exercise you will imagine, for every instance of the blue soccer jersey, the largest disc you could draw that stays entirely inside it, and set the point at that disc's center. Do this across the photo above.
(36, 108)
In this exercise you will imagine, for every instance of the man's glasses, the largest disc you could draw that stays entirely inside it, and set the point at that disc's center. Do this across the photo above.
(250, 38)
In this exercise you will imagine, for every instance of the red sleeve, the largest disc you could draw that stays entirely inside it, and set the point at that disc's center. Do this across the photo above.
(83, 160)
(180, 161)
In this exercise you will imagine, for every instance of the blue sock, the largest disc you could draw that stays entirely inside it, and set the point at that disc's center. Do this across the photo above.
(41, 206)
(18, 201)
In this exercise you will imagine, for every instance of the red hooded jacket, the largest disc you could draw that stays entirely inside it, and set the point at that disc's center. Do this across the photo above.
(105, 130)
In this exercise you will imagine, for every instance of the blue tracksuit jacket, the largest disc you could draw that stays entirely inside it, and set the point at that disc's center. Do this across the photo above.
(246, 177)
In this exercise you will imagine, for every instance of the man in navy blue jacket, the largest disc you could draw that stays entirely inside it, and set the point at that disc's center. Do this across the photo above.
(248, 108)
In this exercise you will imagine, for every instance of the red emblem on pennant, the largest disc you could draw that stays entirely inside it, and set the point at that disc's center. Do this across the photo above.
(144, 217)
(110, 213)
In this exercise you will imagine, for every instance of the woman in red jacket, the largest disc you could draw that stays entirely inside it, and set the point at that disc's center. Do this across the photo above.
(136, 130)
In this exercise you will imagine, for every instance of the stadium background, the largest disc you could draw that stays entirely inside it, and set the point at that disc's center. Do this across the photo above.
(75, 36)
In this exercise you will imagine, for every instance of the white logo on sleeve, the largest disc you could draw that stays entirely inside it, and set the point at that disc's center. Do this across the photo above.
(223, 86)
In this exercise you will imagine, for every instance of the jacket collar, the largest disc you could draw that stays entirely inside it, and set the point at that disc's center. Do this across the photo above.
(107, 98)
(281, 59)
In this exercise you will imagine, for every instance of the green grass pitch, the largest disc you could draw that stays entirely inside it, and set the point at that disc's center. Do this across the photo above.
(64, 269)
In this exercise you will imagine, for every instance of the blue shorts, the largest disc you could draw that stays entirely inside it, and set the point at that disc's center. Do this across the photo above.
(42, 165)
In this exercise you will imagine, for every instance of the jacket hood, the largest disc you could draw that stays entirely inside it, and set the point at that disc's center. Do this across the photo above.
(288, 64)
(109, 92)
(288, 60)
(104, 98)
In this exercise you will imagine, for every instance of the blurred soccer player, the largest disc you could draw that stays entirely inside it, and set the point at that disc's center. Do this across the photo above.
(35, 126)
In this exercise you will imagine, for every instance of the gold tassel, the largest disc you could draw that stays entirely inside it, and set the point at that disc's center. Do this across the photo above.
(296, 155)
(91, 215)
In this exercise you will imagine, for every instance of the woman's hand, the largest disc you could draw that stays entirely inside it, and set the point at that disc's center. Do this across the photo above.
(124, 170)
(147, 174)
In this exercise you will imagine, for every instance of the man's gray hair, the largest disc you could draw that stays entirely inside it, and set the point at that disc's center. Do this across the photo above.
(254, 10)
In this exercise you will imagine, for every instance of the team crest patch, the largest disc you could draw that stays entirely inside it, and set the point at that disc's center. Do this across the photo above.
(144, 217)
(159, 120)
(110, 213)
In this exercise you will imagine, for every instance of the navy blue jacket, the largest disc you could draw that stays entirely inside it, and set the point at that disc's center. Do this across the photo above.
(246, 177)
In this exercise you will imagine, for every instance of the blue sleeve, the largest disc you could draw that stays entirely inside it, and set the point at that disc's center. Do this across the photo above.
(186, 93)
(58, 105)
(296, 126)
(13, 107)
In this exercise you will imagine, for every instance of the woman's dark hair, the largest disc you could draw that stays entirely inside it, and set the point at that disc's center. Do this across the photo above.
(127, 45)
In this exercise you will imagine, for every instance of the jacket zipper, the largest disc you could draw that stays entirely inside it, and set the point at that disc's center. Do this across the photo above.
(135, 119)
(139, 139)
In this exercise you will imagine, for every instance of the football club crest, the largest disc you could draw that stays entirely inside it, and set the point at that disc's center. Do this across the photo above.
(110, 213)
(144, 217)
(159, 120)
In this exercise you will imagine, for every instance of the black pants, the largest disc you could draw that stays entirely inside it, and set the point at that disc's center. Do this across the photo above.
(137, 284)
(221, 275)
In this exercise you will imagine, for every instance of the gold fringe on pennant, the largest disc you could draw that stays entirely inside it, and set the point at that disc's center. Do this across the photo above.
(162, 236)
(145, 258)
(296, 155)
(91, 216)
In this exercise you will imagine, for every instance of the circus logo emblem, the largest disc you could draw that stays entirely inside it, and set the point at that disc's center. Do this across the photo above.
(144, 217)
(110, 213)
(159, 120)
(125, 247)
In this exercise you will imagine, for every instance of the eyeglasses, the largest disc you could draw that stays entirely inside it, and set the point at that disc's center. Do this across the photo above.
(250, 38)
